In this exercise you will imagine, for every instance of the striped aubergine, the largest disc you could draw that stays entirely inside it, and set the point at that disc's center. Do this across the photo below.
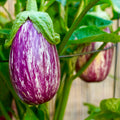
(34, 65)
(100, 66)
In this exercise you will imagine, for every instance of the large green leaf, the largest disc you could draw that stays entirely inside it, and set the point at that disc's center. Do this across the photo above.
(91, 34)
(90, 20)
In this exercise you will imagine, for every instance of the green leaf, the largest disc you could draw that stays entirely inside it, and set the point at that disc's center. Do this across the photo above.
(3, 19)
(91, 34)
(90, 20)
(2, 41)
(112, 105)
(42, 112)
(29, 115)
(104, 2)
(5, 31)
(41, 21)
(116, 5)
(2, 2)
(5, 95)
(18, 7)
(92, 108)
(106, 115)
(115, 15)
(23, 4)
(21, 109)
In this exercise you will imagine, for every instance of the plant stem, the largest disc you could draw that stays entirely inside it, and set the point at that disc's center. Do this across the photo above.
(59, 113)
(65, 95)
(48, 4)
(9, 15)
(42, 5)
(81, 6)
(66, 17)
(2, 109)
(75, 24)
(68, 82)
(31, 5)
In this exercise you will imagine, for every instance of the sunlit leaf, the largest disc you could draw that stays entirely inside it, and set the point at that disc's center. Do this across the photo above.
(116, 5)
(91, 34)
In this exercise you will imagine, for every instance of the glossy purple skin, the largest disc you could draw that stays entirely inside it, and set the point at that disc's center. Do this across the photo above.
(34, 66)
(99, 68)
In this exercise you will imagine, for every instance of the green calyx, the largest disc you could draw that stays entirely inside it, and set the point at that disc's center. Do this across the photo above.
(41, 21)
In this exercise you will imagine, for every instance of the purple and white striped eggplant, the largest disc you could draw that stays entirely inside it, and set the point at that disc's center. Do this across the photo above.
(100, 67)
(34, 65)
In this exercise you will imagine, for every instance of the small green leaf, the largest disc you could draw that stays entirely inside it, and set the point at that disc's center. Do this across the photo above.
(29, 115)
(92, 108)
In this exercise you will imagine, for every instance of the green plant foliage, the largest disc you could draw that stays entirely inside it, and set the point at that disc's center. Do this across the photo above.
(92, 108)
(104, 2)
(3, 19)
(63, 2)
(5, 97)
(2, 2)
(116, 5)
(5, 31)
(112, 105)
(91, 34)
(42, 112)
(109, 110)
(18, 7)
(90, 20)
(29, 115)
(79, 22)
